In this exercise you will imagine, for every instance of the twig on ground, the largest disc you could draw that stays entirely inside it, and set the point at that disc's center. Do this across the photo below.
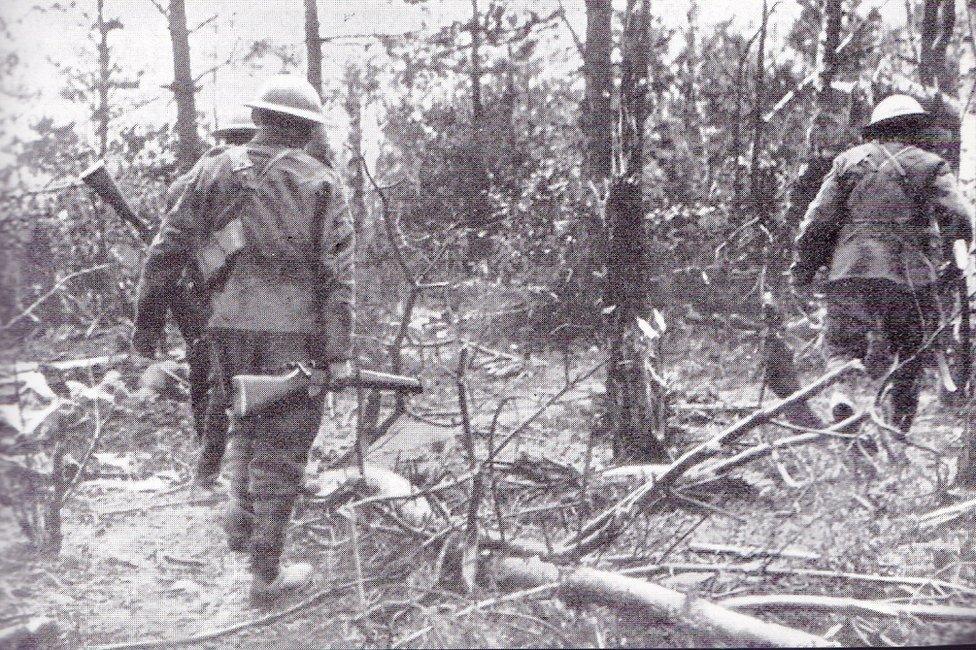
(758, 569)
(752, 551)
(808, 603)
(481, 604)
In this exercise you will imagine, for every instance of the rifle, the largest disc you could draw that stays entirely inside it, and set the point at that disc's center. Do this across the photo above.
(98, 178)
(255, 393)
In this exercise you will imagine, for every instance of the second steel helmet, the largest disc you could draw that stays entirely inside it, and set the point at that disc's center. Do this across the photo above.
(290, 95)
(241, 125)
(895, 107)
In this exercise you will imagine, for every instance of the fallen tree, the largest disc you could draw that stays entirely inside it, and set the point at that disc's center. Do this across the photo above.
(594, 586)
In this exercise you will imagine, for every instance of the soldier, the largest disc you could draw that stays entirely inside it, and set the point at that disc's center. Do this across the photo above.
(277, 218)
(209, 411)
(827, 137)
(873, 225)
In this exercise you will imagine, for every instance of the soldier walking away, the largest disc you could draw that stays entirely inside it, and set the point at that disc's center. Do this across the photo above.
(270, 231)
(879, 224)
(209, 410)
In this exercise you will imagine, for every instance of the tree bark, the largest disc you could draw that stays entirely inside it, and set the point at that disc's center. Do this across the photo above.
(102, 115)
(938, 22)
(479, 243)
(827, 57)
(966, 468)
(757, 188)
(588, 585)
(313, 45)
(188, 145)
(598, 75)
(354, 108)
(630, 408)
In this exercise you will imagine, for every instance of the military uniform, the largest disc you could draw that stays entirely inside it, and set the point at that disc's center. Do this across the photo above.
(287, 296)
(879, 224)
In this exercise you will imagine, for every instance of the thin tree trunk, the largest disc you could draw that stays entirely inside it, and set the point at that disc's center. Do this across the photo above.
(756, 186)
(598, 74)
(966, 470)
(938, 22)
(354, 108)
(479, 243)
(313, 45)
(827, 59)
(631, 413)
(188, 146)
(102, 116)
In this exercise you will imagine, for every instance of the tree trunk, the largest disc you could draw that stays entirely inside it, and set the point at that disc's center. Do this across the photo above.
(631, 412)
(479, 243)
(188, 146)
(966, 470)
(313, 45)
(827, 59)
(938, 22)
(102, 115)
(598, 74)
(757, 188)
(354, 108)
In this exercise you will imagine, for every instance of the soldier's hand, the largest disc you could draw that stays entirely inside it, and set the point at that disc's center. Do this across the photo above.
(144, 343)
(340, 371)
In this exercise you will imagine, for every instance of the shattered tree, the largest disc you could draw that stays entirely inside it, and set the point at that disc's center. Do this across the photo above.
(631, 411)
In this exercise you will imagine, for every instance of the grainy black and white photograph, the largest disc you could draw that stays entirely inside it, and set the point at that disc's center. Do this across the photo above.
(487, 323)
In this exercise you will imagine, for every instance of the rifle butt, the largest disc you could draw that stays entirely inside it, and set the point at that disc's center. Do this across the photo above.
(98, 178)
(252, 394)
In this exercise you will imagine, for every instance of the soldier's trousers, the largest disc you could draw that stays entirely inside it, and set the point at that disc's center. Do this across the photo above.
(871, 320)
(267, 452)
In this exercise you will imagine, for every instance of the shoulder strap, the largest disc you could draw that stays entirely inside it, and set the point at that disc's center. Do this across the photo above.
(222, 244)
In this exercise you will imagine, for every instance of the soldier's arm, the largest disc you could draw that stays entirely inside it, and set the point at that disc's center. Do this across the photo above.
(167, 256)
(337, 287)
(815, 242)
(951, 209)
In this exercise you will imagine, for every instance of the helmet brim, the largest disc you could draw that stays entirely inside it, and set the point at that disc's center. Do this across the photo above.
(924, 119)
(235, 128)
(311, 116)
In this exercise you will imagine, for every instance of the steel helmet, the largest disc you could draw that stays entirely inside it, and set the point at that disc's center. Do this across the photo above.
(290, 95)
(894, 107)
(240, 125)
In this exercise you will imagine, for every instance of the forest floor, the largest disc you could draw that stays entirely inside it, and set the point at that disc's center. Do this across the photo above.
(144, 558)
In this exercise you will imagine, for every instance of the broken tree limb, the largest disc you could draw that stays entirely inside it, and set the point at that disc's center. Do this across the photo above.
(758, 568)
(945, 515)
(766, 448)
(835, 604)
(592, 534)
(621, 592)
(753, 551)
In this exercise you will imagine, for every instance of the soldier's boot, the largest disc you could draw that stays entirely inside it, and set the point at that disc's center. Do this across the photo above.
(904, 405)
(270, 580)
(239, 518)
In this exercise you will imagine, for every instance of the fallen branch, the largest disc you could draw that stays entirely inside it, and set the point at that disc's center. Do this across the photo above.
(753, 551)
(625, 593)
(945, 515)
(593, 533)
(481, 604)
(759, 569)
(835, 604)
